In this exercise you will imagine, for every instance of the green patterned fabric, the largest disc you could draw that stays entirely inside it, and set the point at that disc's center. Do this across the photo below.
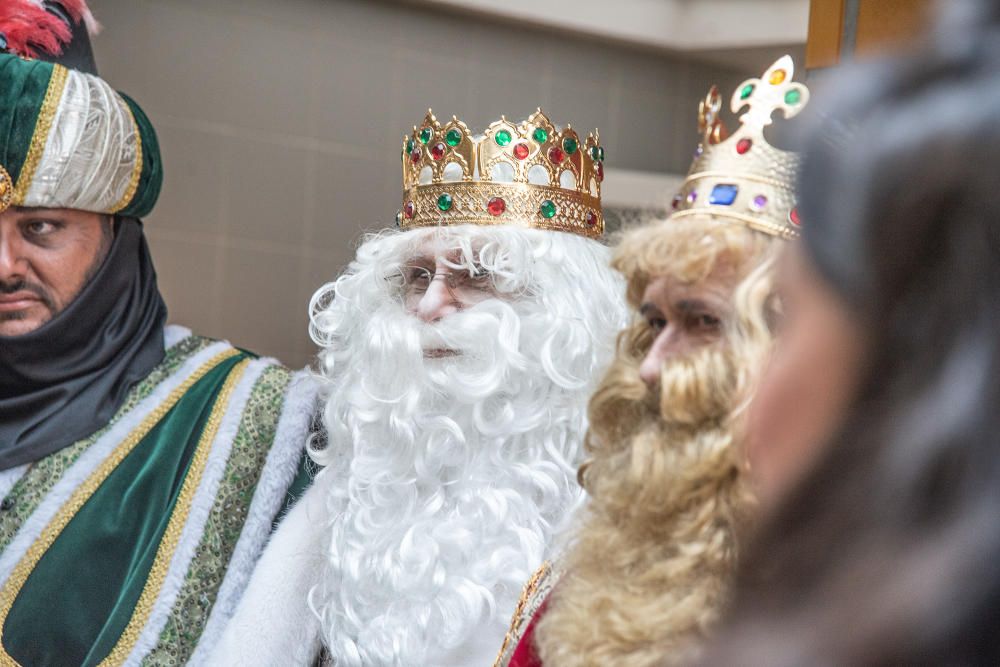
(101, 560)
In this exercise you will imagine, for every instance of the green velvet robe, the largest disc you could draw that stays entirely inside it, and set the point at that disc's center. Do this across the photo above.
(134, 545)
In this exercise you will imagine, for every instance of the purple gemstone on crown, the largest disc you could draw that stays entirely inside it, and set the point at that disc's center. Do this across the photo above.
(759, 203)
(692, 196)
(699, 151)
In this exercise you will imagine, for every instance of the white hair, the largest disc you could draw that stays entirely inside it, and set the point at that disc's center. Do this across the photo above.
(457, 472)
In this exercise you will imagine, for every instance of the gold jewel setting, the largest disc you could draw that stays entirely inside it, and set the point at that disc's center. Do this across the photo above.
(531, 174)
(742, 178)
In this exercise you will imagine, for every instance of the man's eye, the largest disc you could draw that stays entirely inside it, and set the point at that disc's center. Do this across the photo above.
(657, 324)
(40, 227)
(418, 277)
(704, 322)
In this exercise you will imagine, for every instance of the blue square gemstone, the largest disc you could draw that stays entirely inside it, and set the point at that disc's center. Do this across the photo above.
(723, 194)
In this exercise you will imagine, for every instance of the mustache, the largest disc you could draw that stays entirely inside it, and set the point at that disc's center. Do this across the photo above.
(22, 285)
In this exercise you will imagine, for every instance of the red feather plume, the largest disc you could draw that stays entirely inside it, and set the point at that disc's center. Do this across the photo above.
(31, 30)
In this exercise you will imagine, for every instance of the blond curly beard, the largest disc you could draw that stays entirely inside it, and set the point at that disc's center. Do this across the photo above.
(648, 569)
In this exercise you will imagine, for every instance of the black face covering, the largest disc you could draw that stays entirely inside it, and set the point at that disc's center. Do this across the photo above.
(65, 380)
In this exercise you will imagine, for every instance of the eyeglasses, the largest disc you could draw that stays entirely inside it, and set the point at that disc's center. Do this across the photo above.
(414, 281)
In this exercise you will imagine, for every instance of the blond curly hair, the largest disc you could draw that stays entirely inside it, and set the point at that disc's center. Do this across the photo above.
(648, 569)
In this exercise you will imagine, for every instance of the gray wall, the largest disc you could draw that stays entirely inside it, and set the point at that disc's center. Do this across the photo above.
(280, 124)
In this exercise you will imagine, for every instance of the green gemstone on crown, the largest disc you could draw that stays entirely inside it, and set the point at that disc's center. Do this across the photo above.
(409, 146)
(793, 97)
(444, 202)
(502, 138)
(747, 91)
(425, 135)
(570, 145)
(547, 209)
(597, 153)
(454, 137)
(540, 135)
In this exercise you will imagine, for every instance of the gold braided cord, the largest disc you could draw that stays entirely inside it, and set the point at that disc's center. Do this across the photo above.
(12, 587)
(527, 593)
(50, 104)
(178, 519)
(523, 207)
(133, 183)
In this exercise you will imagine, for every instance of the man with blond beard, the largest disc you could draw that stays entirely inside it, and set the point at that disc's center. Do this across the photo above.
(646, 570)
(458, 355)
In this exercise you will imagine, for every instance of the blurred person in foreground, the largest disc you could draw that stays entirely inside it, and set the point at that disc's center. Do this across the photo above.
(141, 466)
(876, 429)
(458, 354)
(648, 564)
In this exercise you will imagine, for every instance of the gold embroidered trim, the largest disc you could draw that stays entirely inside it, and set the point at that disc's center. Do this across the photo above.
(178, 519)
(12, 587)
(529, 591)
(133, 183)
(50, 104)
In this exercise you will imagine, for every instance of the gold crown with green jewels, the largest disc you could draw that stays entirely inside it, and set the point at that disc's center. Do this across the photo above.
(529, 174)
(742, 178)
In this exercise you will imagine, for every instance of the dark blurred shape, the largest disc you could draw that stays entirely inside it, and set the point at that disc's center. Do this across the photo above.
(888, 552)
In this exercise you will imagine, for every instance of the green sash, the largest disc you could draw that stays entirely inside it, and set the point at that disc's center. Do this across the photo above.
(99, 577)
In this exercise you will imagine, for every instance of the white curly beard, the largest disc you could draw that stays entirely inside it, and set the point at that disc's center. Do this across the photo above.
(461, 469)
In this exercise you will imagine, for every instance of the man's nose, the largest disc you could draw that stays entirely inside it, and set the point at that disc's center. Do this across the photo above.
(664, 347)
(12, 261)
(437, 302)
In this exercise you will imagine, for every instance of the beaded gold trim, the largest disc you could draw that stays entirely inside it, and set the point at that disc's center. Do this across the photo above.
(50, 104)
(523, 207)
(178, 518)
(12, 587)
(133, 183)
(527, 593)
(6, 189)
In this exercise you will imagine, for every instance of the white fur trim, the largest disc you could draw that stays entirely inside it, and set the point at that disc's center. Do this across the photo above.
(93, 457)
(274, 624)
(173, 334)
(278, 473)
(201, 507)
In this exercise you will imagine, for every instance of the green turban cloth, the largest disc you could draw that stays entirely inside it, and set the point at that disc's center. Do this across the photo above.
(68, 140)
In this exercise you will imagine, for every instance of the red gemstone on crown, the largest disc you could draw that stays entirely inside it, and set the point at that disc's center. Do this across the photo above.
(556, 155)
(794, 217)
(437, 151)
(408, 209)
(599, 167)
(416, 154)
(521, 151)
(496, 206)
(591, 218)
(743, 146)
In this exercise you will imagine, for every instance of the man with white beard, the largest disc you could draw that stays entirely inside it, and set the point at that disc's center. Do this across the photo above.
(458, 356)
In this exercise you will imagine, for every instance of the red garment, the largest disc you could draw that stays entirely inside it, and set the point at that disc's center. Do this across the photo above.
(526, 655)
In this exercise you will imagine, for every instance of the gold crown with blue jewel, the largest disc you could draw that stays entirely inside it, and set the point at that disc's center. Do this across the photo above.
(742, 178)
(528, 174)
